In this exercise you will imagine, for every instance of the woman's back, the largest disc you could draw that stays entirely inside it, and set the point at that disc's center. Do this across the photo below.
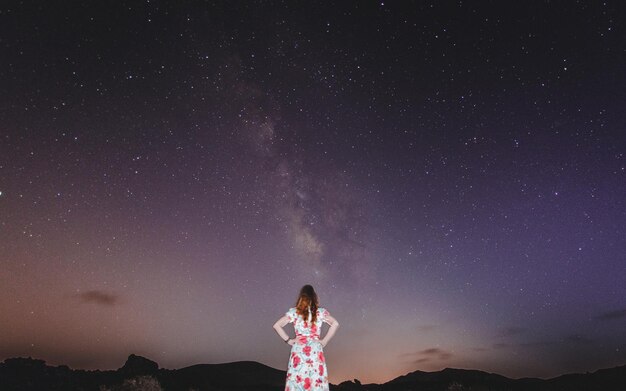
(305, 327)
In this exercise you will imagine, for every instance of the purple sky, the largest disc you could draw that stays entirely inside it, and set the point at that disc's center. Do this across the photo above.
(449, 177)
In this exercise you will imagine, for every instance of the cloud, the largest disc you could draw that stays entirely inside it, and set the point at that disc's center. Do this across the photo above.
(533, 344)
(429, 354)
(536, 344)
(578, 339)
(511, 331)
(436, 352)
(612, 315)
(99, 297)
(426, 328)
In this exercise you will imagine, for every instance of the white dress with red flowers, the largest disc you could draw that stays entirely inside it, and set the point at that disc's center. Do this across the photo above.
(307, 367)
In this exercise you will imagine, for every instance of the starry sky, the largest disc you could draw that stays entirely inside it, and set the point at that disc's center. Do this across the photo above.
(448, 175)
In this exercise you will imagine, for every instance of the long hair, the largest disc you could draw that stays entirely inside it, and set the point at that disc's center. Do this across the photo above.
(307, 300)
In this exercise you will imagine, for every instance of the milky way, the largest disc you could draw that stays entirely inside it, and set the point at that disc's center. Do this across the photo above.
(449, 176)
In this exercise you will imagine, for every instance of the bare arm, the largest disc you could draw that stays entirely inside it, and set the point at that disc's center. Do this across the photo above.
(278, 326)
(334, 325)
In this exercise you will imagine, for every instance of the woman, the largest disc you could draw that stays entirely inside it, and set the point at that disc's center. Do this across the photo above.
(307, 366)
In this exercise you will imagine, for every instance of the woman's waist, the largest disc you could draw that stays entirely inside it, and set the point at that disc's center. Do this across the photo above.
(307, 336)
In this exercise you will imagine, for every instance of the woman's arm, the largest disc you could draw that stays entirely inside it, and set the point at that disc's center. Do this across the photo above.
(334, 325)
(278, 326)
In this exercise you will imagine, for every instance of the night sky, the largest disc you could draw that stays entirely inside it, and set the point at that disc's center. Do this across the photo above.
(449, 176)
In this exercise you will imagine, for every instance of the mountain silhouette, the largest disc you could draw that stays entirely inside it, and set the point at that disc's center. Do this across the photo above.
(142, 374)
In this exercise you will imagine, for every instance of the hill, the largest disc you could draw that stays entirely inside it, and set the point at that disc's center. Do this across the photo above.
(140, 373)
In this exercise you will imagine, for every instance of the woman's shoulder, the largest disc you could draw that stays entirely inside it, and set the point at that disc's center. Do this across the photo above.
(291, 314)
(323, 311)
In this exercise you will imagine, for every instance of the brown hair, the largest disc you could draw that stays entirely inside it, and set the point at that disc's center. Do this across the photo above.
(307, 300)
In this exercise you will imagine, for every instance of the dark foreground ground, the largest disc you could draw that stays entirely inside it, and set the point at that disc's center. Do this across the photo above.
(139, 373)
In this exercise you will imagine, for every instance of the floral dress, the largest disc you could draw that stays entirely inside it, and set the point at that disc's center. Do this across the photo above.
(307, 367)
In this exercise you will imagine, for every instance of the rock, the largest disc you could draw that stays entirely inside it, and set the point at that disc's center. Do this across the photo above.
(137, 365)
